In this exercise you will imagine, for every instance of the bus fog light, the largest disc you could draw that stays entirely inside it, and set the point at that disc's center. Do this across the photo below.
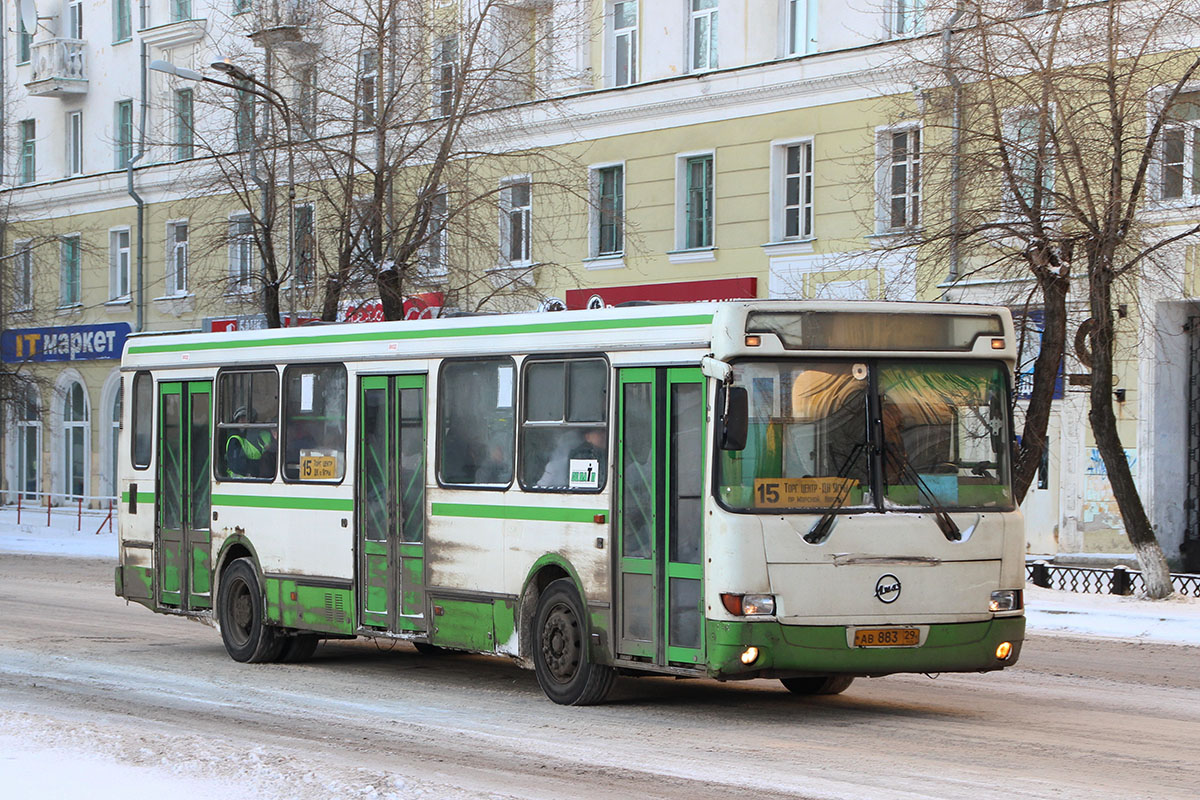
(1002, 652)
(1006, 600)
(749, 655)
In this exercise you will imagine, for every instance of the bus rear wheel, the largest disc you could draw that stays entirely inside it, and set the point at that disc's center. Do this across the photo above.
(819, 684)
(564, 668)
(247, 637)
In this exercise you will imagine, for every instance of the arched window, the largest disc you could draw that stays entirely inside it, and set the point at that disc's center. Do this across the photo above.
(113, 442)
(75, 431)
(29, 443)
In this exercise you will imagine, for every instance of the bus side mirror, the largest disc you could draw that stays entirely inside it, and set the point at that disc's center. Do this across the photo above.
(734, 418)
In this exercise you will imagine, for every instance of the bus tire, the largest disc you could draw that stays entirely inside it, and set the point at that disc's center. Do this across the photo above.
(819, 684)
(561, 660)
(247, 637)
(299, 648)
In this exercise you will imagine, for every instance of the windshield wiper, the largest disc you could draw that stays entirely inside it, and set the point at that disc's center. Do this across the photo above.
(948, 527)
(821, 529)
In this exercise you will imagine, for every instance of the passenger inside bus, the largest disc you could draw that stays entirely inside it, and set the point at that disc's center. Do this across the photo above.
(590, 445)
(250, 454)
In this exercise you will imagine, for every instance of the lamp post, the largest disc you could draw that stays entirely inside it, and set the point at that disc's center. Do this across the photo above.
(245, 81)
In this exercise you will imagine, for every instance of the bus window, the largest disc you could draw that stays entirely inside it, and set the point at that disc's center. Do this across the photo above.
(142, 419)
(564, 429)
(314, 422)
(476, 422)
(248, 424)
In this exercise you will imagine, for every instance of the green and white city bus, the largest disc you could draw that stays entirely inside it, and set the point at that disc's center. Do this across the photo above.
(807, 491)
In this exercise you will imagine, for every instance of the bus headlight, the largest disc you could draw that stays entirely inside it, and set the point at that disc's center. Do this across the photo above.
(748, 605)
(1006, 600)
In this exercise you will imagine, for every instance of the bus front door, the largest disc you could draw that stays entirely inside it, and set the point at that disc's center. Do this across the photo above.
(390, 503)
(660, 484)
(183, 538)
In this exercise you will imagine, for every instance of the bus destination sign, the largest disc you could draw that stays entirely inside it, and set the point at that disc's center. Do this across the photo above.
(802, 492)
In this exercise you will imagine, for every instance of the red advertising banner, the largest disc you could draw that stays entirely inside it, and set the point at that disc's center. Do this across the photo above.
(677, 292)
(418, 306)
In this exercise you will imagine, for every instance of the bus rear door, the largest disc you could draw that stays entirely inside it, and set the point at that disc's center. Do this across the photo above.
(390, 503)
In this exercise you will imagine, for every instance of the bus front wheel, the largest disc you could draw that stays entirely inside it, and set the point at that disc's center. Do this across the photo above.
(240, 610)
(564, 668)
(820, 684)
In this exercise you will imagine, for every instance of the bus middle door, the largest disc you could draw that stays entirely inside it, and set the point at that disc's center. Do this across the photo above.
(390, 517)
(183, 537)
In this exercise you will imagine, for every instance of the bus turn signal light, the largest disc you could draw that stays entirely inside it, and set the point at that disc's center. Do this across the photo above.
(748, 605)
(753, 341)
(997, 344)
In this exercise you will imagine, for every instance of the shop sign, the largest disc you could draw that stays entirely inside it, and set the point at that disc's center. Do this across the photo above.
(251, 322)
(68, 343)
(677, 292)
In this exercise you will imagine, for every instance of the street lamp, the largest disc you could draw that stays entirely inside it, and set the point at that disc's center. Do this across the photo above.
(245, 82)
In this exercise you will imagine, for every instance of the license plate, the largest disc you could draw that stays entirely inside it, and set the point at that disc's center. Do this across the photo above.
(887, 637)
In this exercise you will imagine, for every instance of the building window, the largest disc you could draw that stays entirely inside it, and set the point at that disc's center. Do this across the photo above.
(22, 276)
(907, 17)
(123, 141)
(122, 21)
(141, 420)
(475, 423)
(71, 271)
(304, 247)
(24, 42)
(241, 253)
(900, 198)
(75, 19)
(704, 34)
(516, 216)
(177, 258)
(29, 443)
(306, 102)
(445, 60)
(1181, 149)
(118, 264)
(434, 255)
(181, 10)
(75, 441)
(243, 121)
(1034, 6)
(28, 151)
(608, 202)
(697, 202)
(314, 423)
(368, 73)
(247, 425)
(801, 27)
(792, 215)
(184, 125)
(625, 43)
(75, 143)
(564, 429)
(1031, 160)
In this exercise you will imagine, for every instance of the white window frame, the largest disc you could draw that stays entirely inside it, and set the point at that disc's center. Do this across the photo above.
(74, 19)
(508, 213)
(1011, 121)
(65, 278)
(906, 18)
(778, 195)
(798, 27)
(435, 261)
(74, 155)
(1188, 168)
(23, 275)
(122, 17)
(703, 252)
(27, 172)
(696, 17)
(445, 74)
(177, 259)
(122, 146)
(119, 262)
(367, 88)
(23, 458)
(884, 176)
(623, 40)
(67, 442)
(596, 212)
(241, 253)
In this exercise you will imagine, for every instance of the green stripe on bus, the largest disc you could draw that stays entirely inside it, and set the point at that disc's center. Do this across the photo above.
(302, 503)
(142, 497)
(221, 343)
(534, 513)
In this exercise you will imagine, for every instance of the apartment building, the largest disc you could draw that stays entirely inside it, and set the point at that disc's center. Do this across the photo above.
(715, 149)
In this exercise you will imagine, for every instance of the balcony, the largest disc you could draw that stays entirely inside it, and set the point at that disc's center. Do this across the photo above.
(59, 68)
(275, 22)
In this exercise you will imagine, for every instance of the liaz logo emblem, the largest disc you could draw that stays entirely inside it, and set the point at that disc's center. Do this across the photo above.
(887, 588)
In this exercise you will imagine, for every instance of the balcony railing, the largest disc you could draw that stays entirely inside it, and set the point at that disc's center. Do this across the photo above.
(59, 68)
(276, 21)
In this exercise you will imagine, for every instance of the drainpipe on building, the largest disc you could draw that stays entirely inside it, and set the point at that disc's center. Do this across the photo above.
(141, 204)
(955, 142)
(3, 89)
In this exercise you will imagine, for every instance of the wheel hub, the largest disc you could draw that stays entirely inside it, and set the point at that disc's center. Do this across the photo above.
(561, 644)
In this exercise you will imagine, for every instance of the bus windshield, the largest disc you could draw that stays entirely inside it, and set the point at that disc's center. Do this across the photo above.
(942, 442)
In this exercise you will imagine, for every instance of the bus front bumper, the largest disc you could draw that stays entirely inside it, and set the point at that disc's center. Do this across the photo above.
(786, 650)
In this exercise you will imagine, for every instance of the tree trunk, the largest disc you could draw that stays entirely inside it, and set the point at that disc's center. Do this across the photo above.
(1028, 457)
(391, 292)
(1103, 419)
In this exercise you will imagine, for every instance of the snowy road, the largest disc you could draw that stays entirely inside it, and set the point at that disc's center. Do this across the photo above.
(97, 697)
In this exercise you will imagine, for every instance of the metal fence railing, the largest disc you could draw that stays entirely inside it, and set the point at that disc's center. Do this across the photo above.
(46, 507)
(1096, 580)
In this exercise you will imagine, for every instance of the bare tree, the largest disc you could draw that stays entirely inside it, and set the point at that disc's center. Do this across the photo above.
(1048, 140)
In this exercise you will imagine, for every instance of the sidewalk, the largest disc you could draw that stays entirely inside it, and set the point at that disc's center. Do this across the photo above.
(1175, 621)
